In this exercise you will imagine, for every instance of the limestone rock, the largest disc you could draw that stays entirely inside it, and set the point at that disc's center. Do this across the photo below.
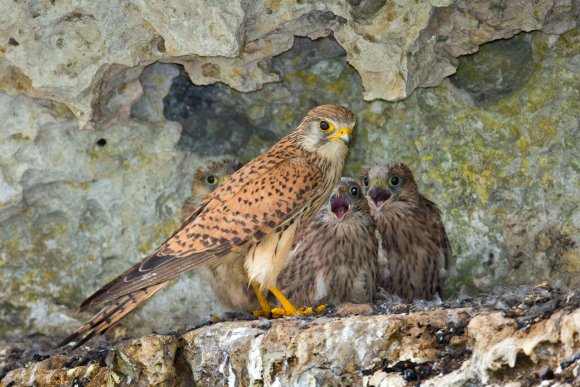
(68, 194)
(531, 338)
(202, 27)
(59, 50)
(92, 173)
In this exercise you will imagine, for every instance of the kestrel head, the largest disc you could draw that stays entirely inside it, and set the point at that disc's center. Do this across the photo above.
(208, 177)
(347, 201)
(384, 184)
(327, 130)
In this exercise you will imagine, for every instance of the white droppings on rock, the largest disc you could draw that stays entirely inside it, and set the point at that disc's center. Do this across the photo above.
(255, 366)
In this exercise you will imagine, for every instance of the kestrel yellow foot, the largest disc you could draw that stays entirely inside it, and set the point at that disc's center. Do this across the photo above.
(303, 310)
(266, 310)
(287, 310)
(320, 308)
(311, 309)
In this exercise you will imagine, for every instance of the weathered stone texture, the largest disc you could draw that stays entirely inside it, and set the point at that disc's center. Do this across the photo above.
(93, 170)
(57, 50)
(532, 335)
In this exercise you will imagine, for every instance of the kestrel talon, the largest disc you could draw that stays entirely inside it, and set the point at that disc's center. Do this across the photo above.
(416, 249)
(252, 217)
(335, 257)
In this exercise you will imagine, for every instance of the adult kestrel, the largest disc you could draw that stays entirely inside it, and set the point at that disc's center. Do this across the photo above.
(334, 259)
(205, 180)
(416, 248)
(253, 217)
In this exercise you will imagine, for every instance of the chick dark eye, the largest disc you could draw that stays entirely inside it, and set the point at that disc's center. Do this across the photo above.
(353, 191)
(395, 180)
(324, 125)
(211, 180)
(365, 181)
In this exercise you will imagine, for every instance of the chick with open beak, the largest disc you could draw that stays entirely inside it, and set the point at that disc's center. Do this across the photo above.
(415, 249)
(334, 258)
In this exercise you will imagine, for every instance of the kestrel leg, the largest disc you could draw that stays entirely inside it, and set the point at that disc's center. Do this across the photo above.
(287, 309)
(266, 310)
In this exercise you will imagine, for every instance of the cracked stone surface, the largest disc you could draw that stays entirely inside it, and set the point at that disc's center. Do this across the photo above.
(107, 108)
(61, 50)
(521, 336)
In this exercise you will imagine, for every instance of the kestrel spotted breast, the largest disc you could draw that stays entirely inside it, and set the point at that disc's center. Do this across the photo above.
(417, 252)
(252, 217)
(334, 259)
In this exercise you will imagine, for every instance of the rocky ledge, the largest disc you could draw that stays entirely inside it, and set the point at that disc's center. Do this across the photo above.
(523, 336)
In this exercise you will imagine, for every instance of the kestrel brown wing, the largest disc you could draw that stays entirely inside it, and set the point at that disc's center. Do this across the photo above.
(237, 213)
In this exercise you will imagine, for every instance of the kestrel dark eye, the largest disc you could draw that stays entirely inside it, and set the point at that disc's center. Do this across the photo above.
(211, 180)
(395, 180)
(353, 191)
(365, 181)
(324, 125)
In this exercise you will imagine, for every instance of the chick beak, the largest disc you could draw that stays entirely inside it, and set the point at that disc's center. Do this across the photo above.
(339, 205)
(379, 196)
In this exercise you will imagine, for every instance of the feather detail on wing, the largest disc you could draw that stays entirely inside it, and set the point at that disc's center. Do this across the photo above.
(257, 199)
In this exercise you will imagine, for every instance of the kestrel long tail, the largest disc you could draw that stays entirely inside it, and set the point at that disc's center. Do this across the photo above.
(110, 315)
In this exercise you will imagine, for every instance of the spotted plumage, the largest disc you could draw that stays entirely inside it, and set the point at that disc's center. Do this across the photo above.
(335, 256)
(416, 249)
(251, 217)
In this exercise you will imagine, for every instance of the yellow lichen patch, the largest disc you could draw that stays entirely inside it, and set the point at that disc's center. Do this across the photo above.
(523, 145)
(480, 181)
(437, 175)
(546, 130)
(547, 180)
(376, 119)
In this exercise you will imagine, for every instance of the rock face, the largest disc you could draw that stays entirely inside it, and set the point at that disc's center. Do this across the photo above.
(107, 108)
(63, 50)
(522, 337)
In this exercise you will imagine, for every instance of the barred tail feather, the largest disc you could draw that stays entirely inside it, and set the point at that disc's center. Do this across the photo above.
(110, 315)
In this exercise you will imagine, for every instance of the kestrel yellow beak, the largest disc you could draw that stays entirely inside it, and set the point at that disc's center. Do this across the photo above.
(342, 135)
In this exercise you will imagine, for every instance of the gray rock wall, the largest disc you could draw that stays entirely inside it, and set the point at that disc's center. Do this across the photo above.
(101, 129)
